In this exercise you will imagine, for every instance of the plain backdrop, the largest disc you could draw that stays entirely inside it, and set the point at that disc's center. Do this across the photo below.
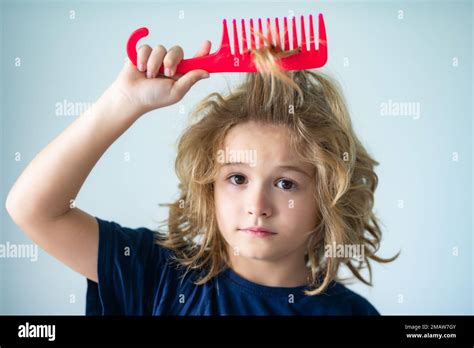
(382, 53)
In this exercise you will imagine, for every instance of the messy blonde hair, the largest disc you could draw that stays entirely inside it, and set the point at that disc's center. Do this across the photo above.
(311, 106)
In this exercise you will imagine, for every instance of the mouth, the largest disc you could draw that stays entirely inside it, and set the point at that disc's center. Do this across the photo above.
(258, 232)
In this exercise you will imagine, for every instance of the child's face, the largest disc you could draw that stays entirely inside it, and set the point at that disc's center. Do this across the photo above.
(260, 193)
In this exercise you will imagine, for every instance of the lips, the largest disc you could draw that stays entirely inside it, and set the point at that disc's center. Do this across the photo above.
(258, 231)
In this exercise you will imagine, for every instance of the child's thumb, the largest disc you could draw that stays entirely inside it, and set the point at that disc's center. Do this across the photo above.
(184, 84)
(130, 69)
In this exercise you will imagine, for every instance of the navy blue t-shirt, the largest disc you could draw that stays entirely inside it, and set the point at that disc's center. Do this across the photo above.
(136, 277)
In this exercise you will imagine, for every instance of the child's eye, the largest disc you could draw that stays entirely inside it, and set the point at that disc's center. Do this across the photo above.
(235, 176)
(287, 184)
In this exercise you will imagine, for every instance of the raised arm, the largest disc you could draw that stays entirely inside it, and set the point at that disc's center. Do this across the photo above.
(40, 200)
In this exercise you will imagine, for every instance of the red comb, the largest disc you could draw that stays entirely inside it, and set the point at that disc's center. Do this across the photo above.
(223, 60)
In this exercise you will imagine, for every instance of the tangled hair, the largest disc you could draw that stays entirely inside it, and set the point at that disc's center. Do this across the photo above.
(311, 106)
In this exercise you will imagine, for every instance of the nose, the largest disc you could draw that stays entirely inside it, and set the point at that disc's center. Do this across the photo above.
(259, 203)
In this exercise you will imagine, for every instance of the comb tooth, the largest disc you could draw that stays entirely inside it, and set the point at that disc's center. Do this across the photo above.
(252, 34)
(303, 35)
(277, 30)
(312, 46)
(293, 31)
(244, 37)
(260, 33)
(321, 32)
(286, 39)
(236, 38)
(269, 32)
(225, 37)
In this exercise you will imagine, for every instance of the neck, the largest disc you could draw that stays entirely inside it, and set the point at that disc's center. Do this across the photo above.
(284, 272)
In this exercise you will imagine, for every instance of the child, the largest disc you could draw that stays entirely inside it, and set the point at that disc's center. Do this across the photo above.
(274, 185)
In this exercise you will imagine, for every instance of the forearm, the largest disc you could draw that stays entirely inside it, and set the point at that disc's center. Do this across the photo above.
(55, 176)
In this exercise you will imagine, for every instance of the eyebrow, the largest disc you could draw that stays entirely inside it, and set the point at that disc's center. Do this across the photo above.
(285, 166)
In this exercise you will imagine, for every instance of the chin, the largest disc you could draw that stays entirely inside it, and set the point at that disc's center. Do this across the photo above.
(255, 256)
(256, 253)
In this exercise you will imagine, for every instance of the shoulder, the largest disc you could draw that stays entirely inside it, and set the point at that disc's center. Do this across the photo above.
(138, 234)
(113, 234)
(355, 303)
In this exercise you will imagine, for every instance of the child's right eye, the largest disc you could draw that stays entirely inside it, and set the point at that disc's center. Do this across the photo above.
(236, 176)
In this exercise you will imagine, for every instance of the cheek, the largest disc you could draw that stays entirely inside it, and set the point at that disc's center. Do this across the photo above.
(301, 210)
(224, 204)
(310, 214)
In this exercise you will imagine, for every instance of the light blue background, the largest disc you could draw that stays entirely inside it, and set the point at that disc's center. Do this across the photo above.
(409, 60)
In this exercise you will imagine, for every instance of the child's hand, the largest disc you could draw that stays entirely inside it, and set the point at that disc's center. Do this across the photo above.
(143, 88)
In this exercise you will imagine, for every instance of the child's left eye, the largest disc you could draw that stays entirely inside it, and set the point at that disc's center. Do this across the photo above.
(292, 185)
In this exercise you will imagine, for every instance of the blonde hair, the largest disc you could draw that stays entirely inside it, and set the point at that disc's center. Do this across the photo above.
(311, 106)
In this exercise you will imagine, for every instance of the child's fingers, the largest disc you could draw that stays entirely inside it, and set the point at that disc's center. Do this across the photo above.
(142, 57)
(155, 60)
(171, 60)
(184, 84)
(204, 49)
